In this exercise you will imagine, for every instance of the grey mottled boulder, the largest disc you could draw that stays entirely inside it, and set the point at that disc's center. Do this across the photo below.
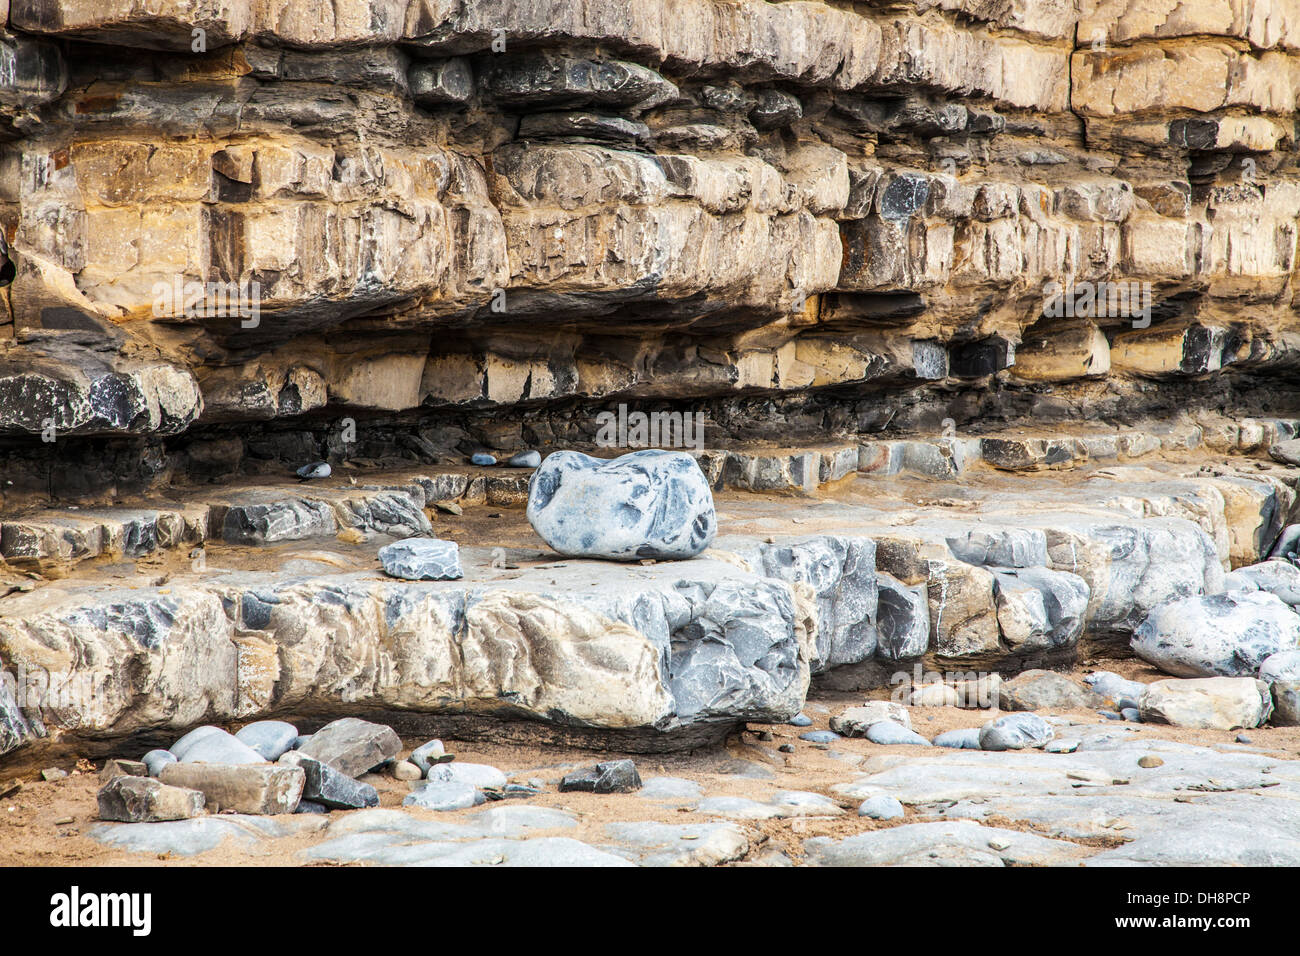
(648, 504)
(270, 738)
(353, 746)
(422, 559)
(1015, 732)
(1280, 578)
(1045, 690)
(1282, 666)
(1218, 634)
(444, 795)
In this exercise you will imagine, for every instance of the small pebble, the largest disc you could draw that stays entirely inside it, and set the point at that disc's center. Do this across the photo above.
(1242, 739)
(525, 459)
(1111, 715)
(881, 807)
(800, 720)
(1150, 761)
(53, 773)
(482, 458)
(404, 770)
(449, 507)
(1132, 715)
(311, 806)
(786, 748)
(316, 469)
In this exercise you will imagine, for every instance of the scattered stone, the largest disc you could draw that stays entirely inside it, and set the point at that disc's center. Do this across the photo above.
(353, 746)
(855, 721)
(444, 795)
(1286, 703)
(1212, 703)
(144, 800)
(525, 459)
(1278, 577)
(934, 695)
(258, 789)
(404, 770)
(476, 774)
(647, 504)
(519, 791)
(820, 737)
(311, 806)
(1061, 746)
(182, 746)
(887, 733)
(329, 787)
(1045, 690)
(53, 773)
(1287, 452)
(800, 720)
(1111, 714)
(219, 747)
(1015, 732)
(1132, 714)
(1150, 762)
(428, 754)
(611, 776)
(881, 807)
(1226, 635)
(965, 739)
(482, 459)
(449, 507)
(122, 768)
(1243, 739)
(269, 738)
(316, 469)
(155, 760)
(422, 559)
(786, 748)
(1118, 690)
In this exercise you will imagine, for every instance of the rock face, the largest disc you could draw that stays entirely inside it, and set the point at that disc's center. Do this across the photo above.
(648, 504)
(1225, 634)
(1219, 703)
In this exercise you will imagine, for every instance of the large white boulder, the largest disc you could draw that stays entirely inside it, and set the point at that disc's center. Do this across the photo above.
(1211, 703)
(1217, 634)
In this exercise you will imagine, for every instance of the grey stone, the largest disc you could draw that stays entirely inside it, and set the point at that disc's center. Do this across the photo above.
(353, 746)
(820, 736)
(315, 469)
(482, 459)
(1039, 607)
(958, 843)
(1286, 703)
(550, 80)
(881, 807)
(902, 619)
(670, 788)
(443, 795)
(1287, 452)
(1045, 690)
(219, 748)
(243, 788)
(1288, 544)
(179, 749)
(775, 109)
(155, 760)
(525, 459)
(647, 504)
(1227, 635)
(611, 776)
(1215, 703)
(1278, 577)
(888, 733)
(404, 770)
(270, 738)
(428, 754)
(144, 800)
(689, 844)
(583, 127)
(475, 774)
(330, 787)
(800, 720)
(964, 739)
(855, 721)
(422, 559)
(1015, 732)
(1282, 666)
(311, 806)
(121, 768)
(1120, 691)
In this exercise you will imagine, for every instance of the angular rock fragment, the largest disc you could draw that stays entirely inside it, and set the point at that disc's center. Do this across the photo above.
(142, 800)
(329, 787)
(352, 746)
(244, 788)
(422, 559)
(611, 776)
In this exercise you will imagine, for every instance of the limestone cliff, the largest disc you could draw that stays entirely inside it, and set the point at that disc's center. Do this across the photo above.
(455, 223)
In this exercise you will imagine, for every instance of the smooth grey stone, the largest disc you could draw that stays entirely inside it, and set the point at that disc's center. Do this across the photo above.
(474, 774)
(444, 795)
(1243, 739)
(964, 739)
(800, 720)
(220, 747)
(316, 469)
(820, 736)
(1282, 666)
(647, 504)
(155, 760)
(301, 741)
(888, 733)
(1015, 732)
(1045, 690)
(519, 791)
(428, 754)
(525, 459)
(1132, 715)
(611, 776)
(1118, 689)
(270, 738)
(1225, 635)
(311, 806)
(1288, 543)
(1111, 714)
(179, 749)
(483, 459)
(422, 559)
(881, 807)
(1278, 577)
